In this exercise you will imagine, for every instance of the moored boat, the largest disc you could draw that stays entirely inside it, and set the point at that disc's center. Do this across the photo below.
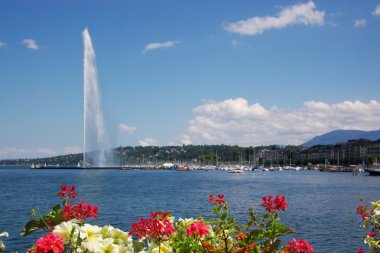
(183, 168)
(373, 171)
(236, 170)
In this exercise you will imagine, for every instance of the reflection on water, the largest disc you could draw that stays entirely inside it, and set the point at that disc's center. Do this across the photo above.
(321, 205)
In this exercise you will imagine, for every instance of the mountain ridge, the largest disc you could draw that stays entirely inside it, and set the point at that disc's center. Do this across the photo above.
(337, 136)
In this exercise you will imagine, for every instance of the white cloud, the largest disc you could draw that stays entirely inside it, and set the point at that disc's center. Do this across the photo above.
(376, 11)
(2, 44)
(14, 152)
(31, 44)
(360, 22)
(153, 46)
(186, 140)
(72, 150)
(235, 121)
(305, 14)
(148, 142)
(123, 128)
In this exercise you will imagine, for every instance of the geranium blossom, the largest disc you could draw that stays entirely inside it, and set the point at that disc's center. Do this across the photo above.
(297, 246)
(197, 229)
(158, 227)
(274, 205)
(49, 243)
(373, 233)
(218, 200)
(67, 192)
(364, 211)
(80, 211)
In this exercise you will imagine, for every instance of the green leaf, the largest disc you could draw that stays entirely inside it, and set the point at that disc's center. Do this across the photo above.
(281, 229)
(256, 233)
(56, 208)
(138, 246)
(58, 218)
(32, 226)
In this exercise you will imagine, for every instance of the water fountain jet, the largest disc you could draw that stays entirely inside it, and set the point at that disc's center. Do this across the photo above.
(95, 138)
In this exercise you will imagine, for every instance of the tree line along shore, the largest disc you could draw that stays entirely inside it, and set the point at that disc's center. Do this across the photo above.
(353, 152)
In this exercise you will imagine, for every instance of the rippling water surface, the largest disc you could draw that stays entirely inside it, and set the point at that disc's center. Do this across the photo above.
(321, 205)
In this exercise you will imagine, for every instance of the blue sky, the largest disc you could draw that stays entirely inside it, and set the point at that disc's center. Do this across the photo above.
(242, 72)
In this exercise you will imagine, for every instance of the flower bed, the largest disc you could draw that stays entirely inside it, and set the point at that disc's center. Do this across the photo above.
(69, 231)
(371, 221)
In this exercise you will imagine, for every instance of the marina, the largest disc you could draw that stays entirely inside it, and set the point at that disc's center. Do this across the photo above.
(237, 169)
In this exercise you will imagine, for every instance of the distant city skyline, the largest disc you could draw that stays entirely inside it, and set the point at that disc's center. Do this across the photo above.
(176, 72)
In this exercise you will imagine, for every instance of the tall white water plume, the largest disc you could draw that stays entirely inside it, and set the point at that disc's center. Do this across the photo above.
(95, 137)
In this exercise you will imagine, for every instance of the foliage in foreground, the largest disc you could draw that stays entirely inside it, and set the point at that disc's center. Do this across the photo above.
(371, 222)
(161, 233)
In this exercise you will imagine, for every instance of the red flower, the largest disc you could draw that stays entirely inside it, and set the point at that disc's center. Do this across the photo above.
(372, 233)
(197, 229)
(80, 211)
(49, 243)
(363, 211)
(298, 246)
(275, 205)
(217, 201)
(360, 250)
(157, 227)
(67, 192)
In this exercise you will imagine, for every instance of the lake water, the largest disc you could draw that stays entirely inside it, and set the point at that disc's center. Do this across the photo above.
(321, 205)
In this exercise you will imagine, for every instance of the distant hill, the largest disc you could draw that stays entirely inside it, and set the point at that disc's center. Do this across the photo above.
(336, 136)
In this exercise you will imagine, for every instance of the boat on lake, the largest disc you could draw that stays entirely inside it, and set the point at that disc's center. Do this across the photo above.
(374, 170)
(236, 170)
(183, 168)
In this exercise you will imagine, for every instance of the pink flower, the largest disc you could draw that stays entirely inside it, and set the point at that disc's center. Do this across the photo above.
(298, 246)
(197, 229)
(49, 243)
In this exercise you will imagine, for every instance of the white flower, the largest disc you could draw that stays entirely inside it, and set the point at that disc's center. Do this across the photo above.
(4, 234)
(106, 231)
(91, 237)
(121, 237)
(2, 246)
(125, 249)
(164, 248)
(186, 222)
(107, 246)
(65, 230)
(171, 219)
